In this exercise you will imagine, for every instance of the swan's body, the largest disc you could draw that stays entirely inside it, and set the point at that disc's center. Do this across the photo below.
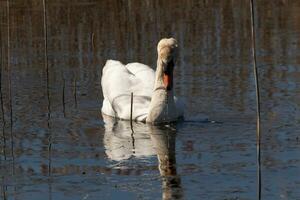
(153, 97)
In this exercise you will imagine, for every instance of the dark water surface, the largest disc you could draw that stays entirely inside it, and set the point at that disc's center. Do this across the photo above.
(56, 145)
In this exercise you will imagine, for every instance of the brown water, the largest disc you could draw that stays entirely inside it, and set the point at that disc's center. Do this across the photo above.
(55, 144)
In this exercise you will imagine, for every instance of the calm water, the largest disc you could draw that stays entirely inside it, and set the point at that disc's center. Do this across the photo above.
(56, 145)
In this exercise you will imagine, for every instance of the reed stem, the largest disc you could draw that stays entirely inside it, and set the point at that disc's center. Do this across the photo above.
(131, 125)
(93, 41)
(47, 86)
(75, 92)
(46, 57)
(258, 133)
(131, 109)
(2, 105)
(63, 97)
(10, 86)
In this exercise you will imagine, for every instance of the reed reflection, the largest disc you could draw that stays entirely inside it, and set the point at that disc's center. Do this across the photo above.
(147, 140)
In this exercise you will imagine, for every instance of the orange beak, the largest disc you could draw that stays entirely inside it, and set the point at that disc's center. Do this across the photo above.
(168, 81)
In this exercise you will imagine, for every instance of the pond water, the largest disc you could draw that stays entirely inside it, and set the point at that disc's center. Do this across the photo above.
(55, 143)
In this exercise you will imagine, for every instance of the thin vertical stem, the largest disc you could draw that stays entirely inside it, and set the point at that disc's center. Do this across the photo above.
(10, 84)
(258, 134)
(93, 41)
(131, 108)
(47, 86)
(75, 92)
(49, 151)
(131, 125)
(46, 45)
(2, 105)
(46, 56)
(63, 97)
(3, 118)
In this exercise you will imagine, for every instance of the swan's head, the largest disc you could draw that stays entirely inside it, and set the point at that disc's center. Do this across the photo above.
(167, 52)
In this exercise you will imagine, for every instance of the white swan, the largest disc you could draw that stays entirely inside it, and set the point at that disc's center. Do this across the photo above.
(153, 99)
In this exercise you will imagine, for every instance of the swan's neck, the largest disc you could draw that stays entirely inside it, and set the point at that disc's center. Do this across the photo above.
(162, 107)
(159, 84)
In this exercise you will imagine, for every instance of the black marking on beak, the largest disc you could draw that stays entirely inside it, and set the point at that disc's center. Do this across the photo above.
(168, 69)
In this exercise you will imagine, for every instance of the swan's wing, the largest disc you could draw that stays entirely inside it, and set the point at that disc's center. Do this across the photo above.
(115, 80)
(145, 74)
(119, 81)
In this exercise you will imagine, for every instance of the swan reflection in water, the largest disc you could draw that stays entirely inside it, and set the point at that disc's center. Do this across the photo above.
(147, 140)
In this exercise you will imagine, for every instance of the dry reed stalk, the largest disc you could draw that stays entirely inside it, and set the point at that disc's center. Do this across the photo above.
(63, 97)
(10, 87)
(47, 86)
(258, 133)
(131, 125)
